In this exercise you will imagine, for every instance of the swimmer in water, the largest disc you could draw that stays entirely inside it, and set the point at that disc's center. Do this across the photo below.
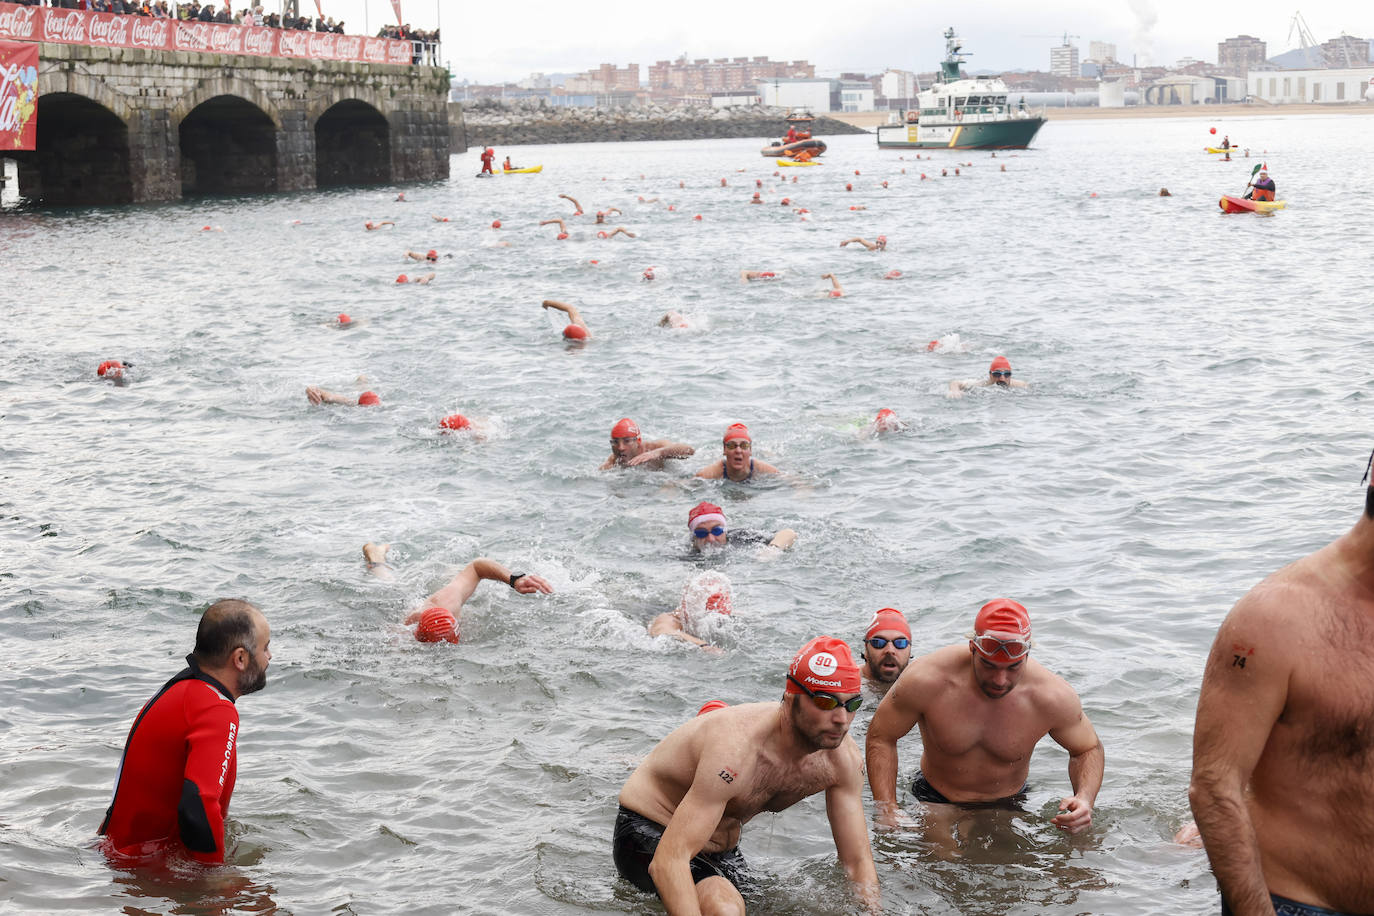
(320, 396)
(629, 450)
(747, 275)
(710, 534)
(562, 226)
(836, 291)
(577, 328)
(429, 256)
(739, 464)
(886, 421)
(618, 230)
(673, 319)
(982, 706)
(370, 226)
(401, 197)
(704, 596)
(887, 649)
(576, 205)
(422, 279)
(999, 375)
(880, 244)
(438, 219)
(437, 618)
(681, 811)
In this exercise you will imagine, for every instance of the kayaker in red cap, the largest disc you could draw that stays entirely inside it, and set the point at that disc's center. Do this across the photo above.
(982, 706)
(739, 464)
(681, 811)
(999, 374)
(629, 450)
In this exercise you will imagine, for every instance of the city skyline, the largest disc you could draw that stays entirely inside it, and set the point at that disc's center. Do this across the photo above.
(552, 37)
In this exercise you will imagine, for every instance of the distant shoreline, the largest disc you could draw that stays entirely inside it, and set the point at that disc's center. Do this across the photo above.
(871, 119)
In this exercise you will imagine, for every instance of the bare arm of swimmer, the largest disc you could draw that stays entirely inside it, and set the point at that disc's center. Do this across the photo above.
(844, 807)
(1086, 762)
(459, 589)
(893, 720)
(571, 311)
(562, 227)
(319, 396)
(573, 202)
(836, 290)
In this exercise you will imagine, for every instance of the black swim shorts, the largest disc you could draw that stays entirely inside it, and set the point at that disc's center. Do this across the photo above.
(633, 844)
(1285, 907)
(924, 791)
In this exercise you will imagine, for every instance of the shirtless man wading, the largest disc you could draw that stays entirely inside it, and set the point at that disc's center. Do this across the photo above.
(1283, 786)
(681, 811)
(982, 706)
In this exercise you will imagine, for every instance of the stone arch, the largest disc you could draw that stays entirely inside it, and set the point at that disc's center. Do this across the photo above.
(82, 154)
(320, 104)
(352, 144)
(76, 82)
(215, 87)
(228, 146)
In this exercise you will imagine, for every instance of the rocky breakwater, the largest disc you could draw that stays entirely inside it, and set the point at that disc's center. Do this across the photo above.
(490, 124)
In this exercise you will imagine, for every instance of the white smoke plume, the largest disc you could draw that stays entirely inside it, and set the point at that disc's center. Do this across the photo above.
(1146, 16)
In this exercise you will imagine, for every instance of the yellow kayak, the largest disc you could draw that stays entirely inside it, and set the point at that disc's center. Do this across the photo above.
(529, 171)
(1217, 149)
(794, 162)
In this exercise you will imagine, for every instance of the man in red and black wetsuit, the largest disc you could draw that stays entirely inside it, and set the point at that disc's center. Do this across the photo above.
(177, 773)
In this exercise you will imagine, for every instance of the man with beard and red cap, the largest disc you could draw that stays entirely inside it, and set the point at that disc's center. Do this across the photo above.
(181, 757)
(982, 706)
(710, 534)
(629, 450)
(681, 811)
(887, 648)
(1282, 786)
(999, 375)
(739, 464)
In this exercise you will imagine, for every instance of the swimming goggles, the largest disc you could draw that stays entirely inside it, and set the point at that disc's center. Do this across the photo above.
(703, 532)
(1000, 373)
(878, 642)
(731, 446)
(623, 440)
(829, 701)
(1013, 649)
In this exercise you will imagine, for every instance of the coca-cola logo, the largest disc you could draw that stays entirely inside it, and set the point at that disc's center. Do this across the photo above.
(112, 30)
(258, 41)
(193, 36)
(294, 44)
(17, 23)
(68, 28)
(399, 52)
(148, 33)
(348, 46)
(374, 50)
(321, 44)
(225, 38)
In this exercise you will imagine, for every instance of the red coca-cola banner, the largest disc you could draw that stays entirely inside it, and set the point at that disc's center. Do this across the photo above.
(111, 30)
(18, 95)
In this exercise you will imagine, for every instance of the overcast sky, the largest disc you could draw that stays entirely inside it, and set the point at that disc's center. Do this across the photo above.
(507, 41)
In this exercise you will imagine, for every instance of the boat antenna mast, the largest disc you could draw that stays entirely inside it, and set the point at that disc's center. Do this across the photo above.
(949, 67)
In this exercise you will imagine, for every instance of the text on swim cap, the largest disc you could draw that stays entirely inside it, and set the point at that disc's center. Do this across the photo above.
(823, 663)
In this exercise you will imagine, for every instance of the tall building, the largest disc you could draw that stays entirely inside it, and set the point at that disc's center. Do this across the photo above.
(1064, 61)
(1346, 51)
(1240, 55)
(1101, 51)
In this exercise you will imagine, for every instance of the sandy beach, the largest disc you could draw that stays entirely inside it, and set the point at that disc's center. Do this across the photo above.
(871, 119)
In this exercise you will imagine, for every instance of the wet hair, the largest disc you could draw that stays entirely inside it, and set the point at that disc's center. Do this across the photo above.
(226, 625)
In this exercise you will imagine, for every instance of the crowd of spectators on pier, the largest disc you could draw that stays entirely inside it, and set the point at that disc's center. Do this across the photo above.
(426, 44)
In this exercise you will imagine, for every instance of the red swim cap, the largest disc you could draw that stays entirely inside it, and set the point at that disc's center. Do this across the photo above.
(437, 625)
(892, 275)
(705, 513)
(756, 195)
(1000, 362)
(402, 279)
(562, 236)
(575, 332)
(344, 319)
(455, 421)
(496, 224)
(888, 619)
(766, 275)
(736, 431)
(368, 399)
(698, 216)
(785, 202)
(825, 664)
(836, 294)
(625, 428)
(856, 171)
(887, 421)
(1005, 617)
(712, 706)
(849, 187)
(108, 365)
(720, 603)
(432, 255)
(601, 234)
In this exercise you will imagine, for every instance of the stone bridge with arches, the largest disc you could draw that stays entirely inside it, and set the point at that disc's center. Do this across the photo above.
(129, 125)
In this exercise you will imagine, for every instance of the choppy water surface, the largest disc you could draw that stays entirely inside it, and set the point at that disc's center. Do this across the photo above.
(1194, 422)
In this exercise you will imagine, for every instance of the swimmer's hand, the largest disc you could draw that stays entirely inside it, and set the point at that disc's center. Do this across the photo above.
(653, 454)
(529, 583)
(889, 816)
(1076, 815)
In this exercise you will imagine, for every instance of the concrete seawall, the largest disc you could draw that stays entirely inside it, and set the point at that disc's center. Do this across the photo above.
(498, 126)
